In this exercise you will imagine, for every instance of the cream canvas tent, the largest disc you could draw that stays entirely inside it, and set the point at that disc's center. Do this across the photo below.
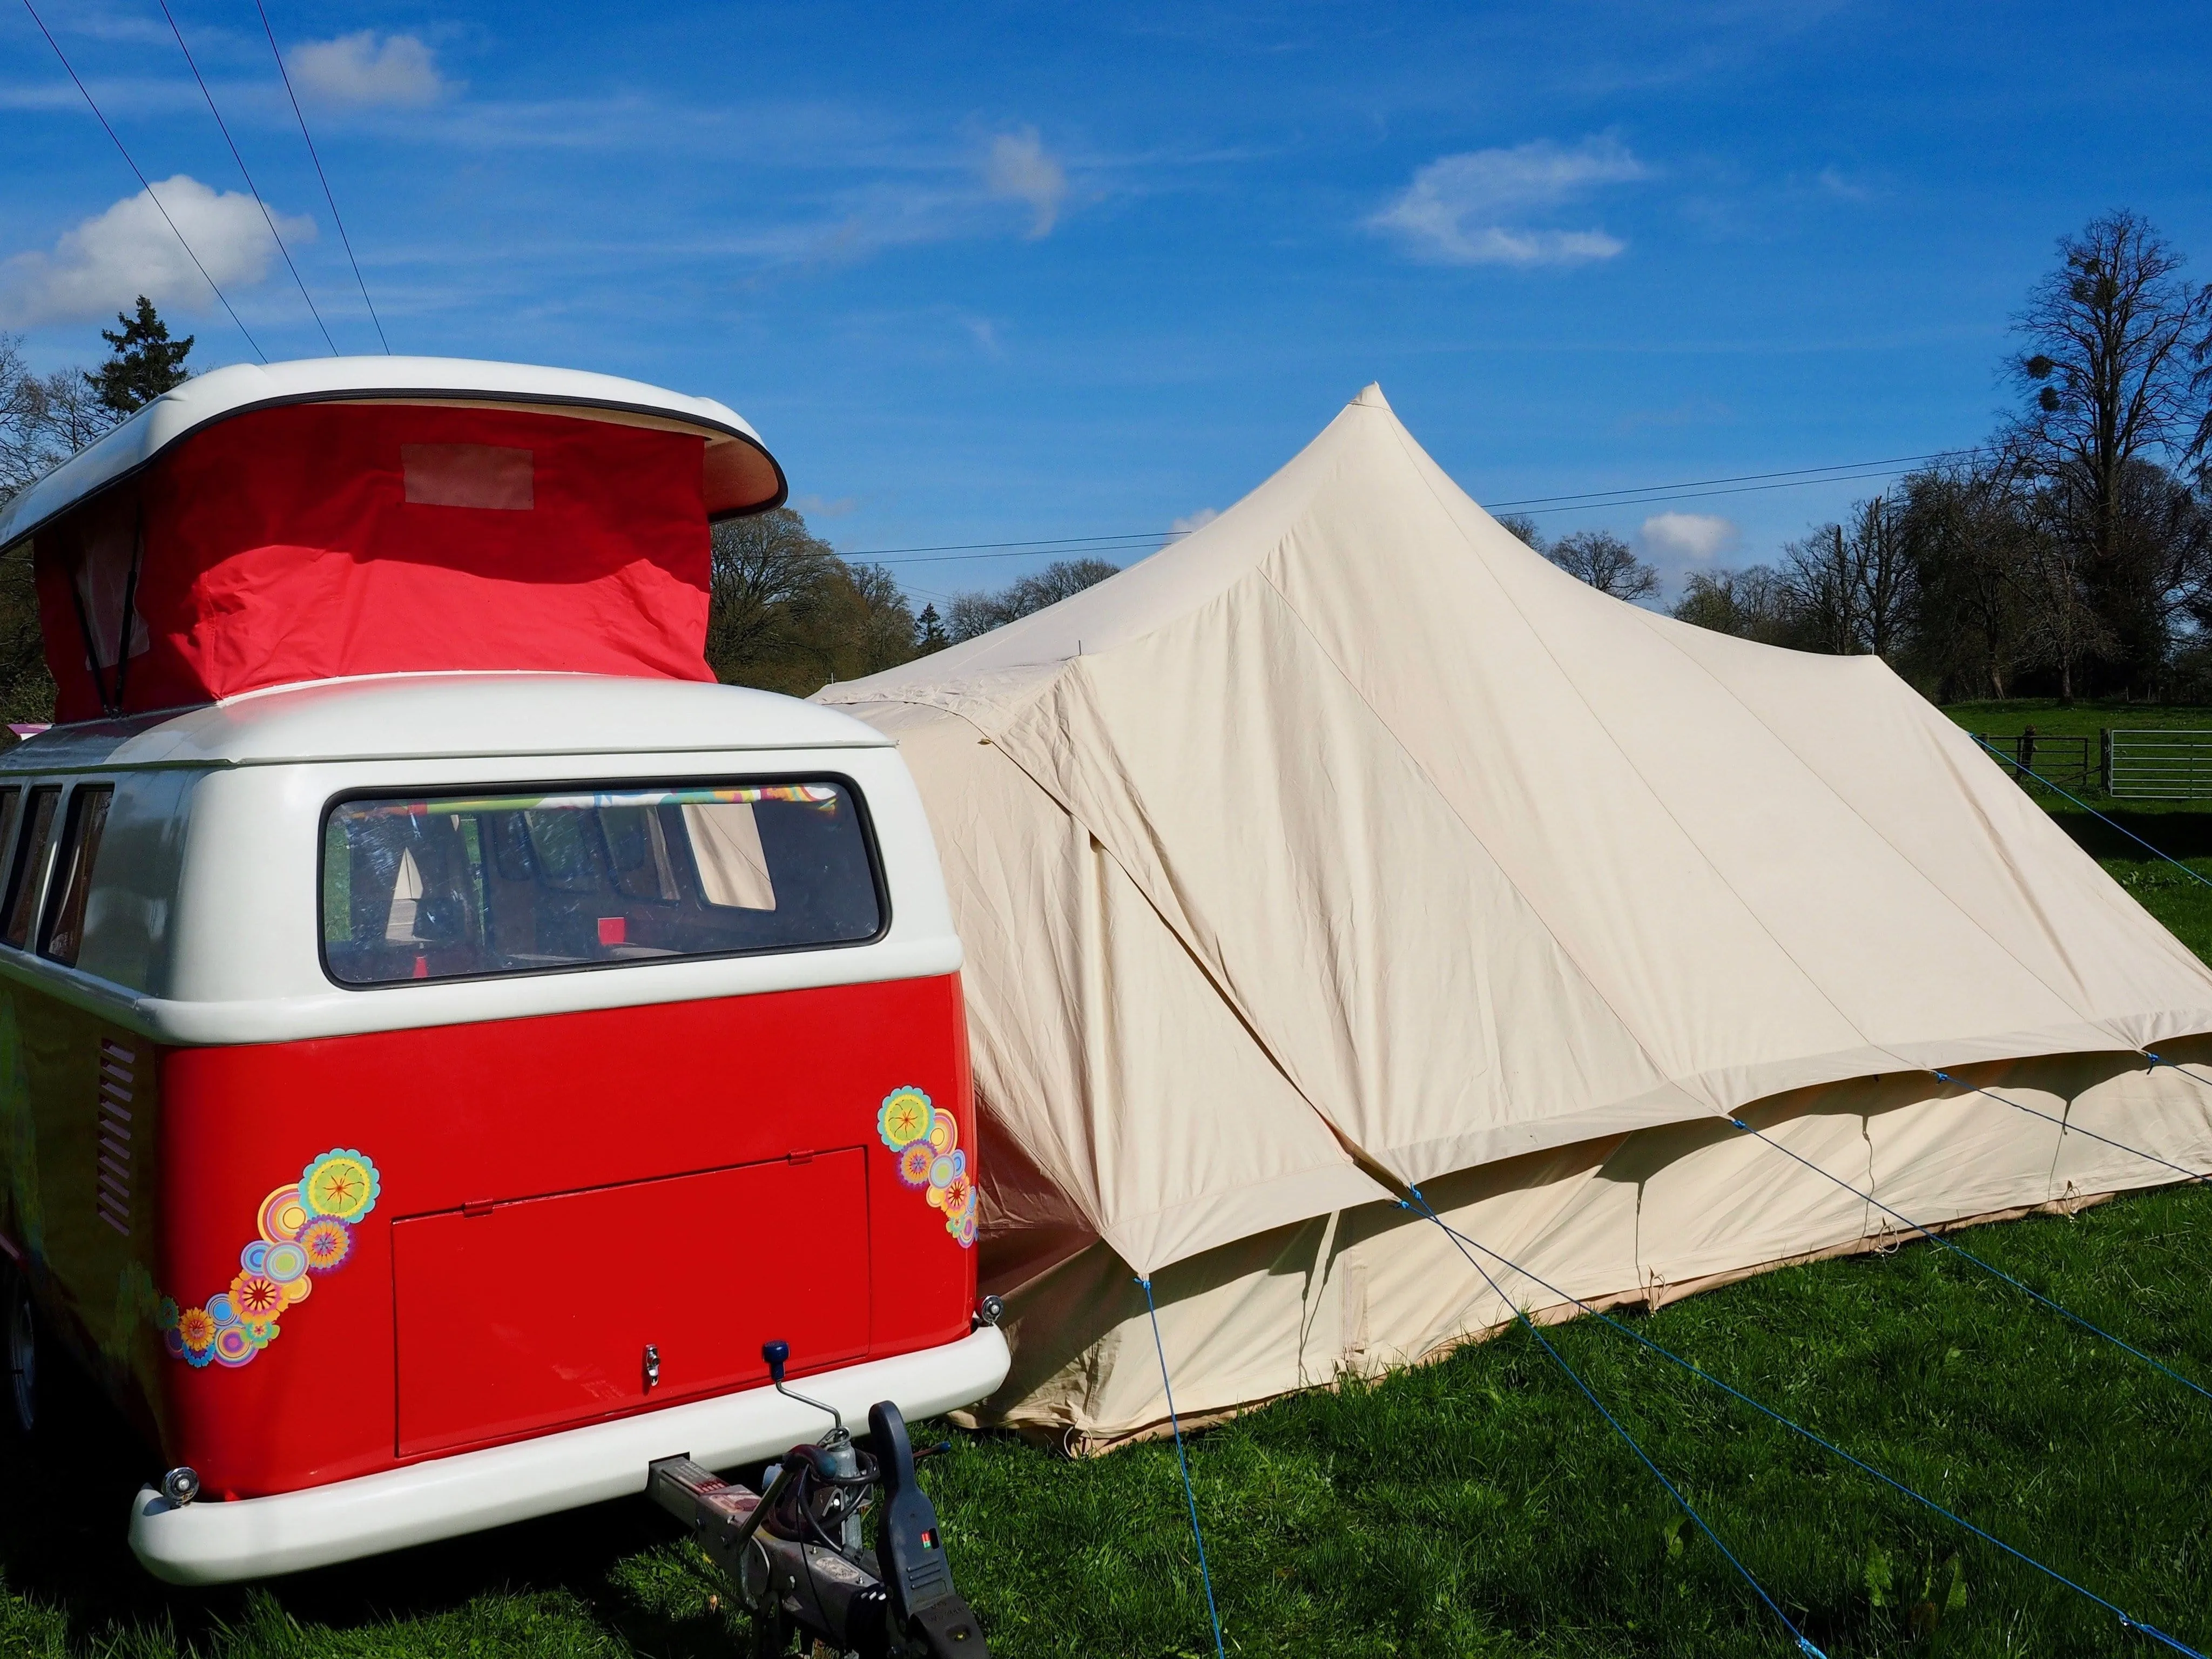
(1347, 845)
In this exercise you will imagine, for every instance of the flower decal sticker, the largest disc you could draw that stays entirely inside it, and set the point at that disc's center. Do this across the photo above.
(926, 1143)
(339, 1183)
(282, 1215)
(325, 1243)
(905, 1118)
(305, 1230)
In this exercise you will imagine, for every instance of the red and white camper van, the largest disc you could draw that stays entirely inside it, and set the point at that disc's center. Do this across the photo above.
(444, 1035)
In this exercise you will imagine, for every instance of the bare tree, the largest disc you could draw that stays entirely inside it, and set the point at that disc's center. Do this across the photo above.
(1751, 603)
(1964, 525)
(1821, 578)
(2107, 360)
(1888, 589)
(970, 614)
(43, 419)
(1522, 528)
(1606, 563)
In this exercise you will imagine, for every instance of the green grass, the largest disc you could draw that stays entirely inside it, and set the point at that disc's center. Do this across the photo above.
(1477, 1506)
(2084, 719)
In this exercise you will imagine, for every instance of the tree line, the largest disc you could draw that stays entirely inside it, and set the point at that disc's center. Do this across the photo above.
(2068, 555)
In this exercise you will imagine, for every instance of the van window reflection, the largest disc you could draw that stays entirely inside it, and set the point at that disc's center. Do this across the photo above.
(459, 886)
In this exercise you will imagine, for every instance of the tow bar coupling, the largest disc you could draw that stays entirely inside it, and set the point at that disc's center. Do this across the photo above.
(795, 1552)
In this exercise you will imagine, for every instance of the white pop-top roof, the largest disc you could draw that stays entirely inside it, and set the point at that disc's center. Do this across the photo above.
(449, 716)
(222, 393)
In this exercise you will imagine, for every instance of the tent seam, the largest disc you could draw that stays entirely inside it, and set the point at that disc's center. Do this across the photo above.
(1897, 851)
(1710, 864)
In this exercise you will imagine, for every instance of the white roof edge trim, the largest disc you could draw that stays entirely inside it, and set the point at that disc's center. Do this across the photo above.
(241, 388)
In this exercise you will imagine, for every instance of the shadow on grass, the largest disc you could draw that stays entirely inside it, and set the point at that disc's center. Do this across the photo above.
(613, 1578)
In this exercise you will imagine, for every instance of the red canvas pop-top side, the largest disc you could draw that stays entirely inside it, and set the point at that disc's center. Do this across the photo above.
(316, 540)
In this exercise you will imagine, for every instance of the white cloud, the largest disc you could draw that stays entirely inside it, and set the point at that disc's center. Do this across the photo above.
(1691, 536)
(1458, 209)
(1198, 521)
(1018, 169)
(1832, 181)
(104, 263)
(361, 71)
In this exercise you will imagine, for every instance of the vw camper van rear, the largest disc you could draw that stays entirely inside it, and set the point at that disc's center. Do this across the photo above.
(445, 1040)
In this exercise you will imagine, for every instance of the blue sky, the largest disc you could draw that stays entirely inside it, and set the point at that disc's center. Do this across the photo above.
(996, 272)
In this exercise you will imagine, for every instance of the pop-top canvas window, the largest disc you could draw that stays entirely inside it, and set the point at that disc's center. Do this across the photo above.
(462, 885)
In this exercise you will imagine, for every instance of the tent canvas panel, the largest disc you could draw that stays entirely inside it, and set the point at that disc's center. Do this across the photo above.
(1652, 1217)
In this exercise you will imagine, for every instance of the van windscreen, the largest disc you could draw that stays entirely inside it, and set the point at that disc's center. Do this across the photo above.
(463, 885)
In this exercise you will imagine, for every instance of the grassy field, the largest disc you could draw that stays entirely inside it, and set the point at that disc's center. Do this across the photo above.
(1473, 1507)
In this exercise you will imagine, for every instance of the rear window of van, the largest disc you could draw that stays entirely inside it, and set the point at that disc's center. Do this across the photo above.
(463, 885)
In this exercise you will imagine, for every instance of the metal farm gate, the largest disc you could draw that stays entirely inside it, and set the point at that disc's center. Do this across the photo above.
(2156, 765)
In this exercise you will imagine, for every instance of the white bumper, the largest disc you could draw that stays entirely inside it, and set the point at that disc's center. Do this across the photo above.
(210, 1543)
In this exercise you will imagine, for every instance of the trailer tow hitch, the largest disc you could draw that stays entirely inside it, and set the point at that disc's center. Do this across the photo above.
(795, 1552)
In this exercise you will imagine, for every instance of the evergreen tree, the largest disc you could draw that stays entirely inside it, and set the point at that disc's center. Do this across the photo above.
(932, 630)
(142, 362)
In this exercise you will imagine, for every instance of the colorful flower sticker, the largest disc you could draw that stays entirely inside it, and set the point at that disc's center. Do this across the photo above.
(256, 1297)
(965, 1229)
(306, 1231)
(958, 1196)
(913, 1163)
(340, 1183)
(325, 1243)
(282, 1215)
(941, 1172)
(943, 1133)
(906, 1117)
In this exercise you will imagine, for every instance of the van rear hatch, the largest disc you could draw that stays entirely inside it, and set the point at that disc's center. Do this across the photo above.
(524, 1314)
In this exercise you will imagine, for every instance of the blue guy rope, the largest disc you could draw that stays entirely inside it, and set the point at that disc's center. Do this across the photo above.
(2176, 1066)
(2127, 1621)
(2075, 1128)
(1804, 1645)
(1190, 1496)
(2192, 874)
(2060, 1309)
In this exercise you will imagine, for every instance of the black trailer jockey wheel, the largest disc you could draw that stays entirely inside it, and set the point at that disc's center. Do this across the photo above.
(798, 1552)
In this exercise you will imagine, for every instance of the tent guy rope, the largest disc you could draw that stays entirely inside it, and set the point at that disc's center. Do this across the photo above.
(2007, 760)
(2127, 1620)
(2075, 1128)
(2057, 1307)
(1804, 1645)
(1183, 1462)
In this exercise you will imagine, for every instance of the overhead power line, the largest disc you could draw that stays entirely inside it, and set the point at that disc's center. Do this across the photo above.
(147, 183)
(1626, 495)
(300, 117)
(267, 217)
